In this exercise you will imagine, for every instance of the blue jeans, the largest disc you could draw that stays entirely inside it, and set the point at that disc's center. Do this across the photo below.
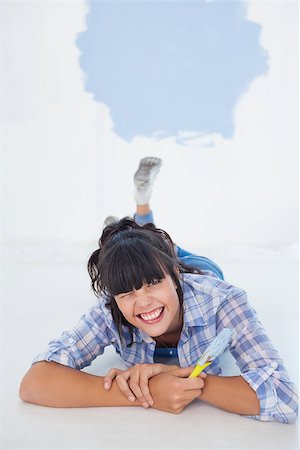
(200, 262)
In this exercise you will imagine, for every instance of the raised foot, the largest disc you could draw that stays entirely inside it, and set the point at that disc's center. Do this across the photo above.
(147, 171)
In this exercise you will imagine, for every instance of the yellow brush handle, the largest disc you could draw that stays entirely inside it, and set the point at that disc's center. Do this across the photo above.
(198, 369)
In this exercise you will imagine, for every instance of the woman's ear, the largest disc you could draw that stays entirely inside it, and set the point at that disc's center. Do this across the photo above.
(176, 269)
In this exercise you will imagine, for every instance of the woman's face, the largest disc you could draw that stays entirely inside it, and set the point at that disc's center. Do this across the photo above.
(154, 308)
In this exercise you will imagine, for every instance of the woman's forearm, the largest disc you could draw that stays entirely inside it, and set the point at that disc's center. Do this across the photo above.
(55, 385)
(231, 394)
(52, 384)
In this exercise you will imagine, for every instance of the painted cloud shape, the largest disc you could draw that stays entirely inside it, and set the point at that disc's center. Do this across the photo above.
(164, 67)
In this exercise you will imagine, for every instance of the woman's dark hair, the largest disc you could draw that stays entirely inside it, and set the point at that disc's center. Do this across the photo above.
(130, 255)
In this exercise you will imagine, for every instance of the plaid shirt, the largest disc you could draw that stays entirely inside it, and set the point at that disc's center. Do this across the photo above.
(209, 305)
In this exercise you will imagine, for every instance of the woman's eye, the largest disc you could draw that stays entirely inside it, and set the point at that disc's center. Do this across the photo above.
(153, 282)
(127, 295)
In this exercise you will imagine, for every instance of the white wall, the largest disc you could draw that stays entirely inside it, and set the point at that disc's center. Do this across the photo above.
(49, 125)
(65, 169)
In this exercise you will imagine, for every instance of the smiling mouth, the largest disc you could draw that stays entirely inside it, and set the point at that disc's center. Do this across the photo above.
(152, 317)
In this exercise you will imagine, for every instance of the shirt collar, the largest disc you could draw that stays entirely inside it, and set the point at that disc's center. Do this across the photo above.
(138, 336)
(193, 316)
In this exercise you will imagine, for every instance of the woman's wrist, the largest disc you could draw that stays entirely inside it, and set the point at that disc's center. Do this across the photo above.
(232, 394)
(170, 367)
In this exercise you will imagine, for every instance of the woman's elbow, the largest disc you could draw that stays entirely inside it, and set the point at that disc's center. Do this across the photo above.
(25, 390)
(286, 413)
(31, 384)
(290, 408)
(292, 415)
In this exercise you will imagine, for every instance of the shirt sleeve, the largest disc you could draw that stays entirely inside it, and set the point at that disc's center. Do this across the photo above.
(78, 347)
(257, 359)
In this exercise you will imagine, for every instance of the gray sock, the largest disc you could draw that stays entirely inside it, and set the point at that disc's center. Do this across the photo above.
(144, 178)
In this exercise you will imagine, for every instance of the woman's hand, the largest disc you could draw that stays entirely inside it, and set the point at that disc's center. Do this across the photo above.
(134, 381)
(172, 391)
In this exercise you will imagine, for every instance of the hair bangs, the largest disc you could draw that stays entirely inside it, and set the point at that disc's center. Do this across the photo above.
(132, 264)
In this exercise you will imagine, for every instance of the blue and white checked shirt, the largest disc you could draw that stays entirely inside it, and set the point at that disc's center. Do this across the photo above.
(210, 305)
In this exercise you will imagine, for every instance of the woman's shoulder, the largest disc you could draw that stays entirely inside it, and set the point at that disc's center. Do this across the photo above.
(208, 284)
(207, 294)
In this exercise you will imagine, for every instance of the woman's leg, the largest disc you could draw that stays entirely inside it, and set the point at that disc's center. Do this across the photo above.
(144, 179)
(143, 183)
(206, 265)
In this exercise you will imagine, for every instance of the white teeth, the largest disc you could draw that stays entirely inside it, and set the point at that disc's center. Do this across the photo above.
(153, 315)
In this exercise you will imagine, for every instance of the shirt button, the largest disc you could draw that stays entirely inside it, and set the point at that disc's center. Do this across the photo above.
(71, 341)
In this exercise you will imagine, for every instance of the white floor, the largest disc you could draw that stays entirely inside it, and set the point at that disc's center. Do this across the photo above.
(45, 291)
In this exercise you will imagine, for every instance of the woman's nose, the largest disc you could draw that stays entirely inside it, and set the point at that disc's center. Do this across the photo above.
(142, 295)
(141, 291)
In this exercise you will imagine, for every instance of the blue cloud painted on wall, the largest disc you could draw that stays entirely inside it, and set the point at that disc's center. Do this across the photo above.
(164, 67)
